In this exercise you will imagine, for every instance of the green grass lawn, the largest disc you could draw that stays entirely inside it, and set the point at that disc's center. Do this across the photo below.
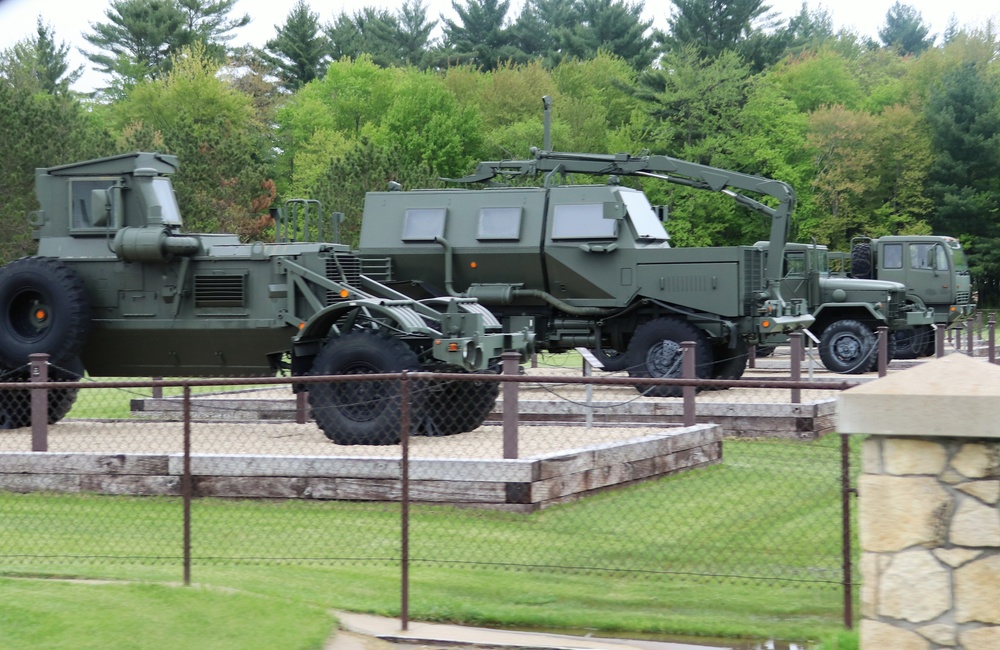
(747, 548)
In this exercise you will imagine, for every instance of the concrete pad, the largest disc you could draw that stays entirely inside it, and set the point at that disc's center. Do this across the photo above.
(955, 396)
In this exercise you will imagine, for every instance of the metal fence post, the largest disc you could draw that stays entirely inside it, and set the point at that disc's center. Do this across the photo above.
(979, 325)
(991, 325)
(510, 361)
(969, 338)
(939, 341)
(301, 407)
(752, 357)
(688, 390)
(845, 508)
(39, 369)
(404, 498)
(187, 489)
(883, 350)
(795, 338)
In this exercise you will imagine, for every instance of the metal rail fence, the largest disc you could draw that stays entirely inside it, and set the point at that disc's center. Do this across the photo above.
(206, 472)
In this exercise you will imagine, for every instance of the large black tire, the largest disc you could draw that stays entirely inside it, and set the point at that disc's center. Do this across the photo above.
(364, 412)
(43, 308)
(914, 343)
(730, 363)
(15, 405)
(612, 360)
(861, 261)
(764, 350)
(655, 351)
(458, 406)
(848, 347)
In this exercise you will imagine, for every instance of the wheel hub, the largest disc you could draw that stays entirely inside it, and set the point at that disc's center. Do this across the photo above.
(847, 348)
(664, 359)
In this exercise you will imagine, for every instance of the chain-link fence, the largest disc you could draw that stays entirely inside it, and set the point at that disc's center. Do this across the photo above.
(544, 468)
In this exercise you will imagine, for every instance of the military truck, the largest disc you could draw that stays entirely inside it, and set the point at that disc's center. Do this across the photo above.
(118, 289)
(848, 311)
(590, 265)
(935, 271)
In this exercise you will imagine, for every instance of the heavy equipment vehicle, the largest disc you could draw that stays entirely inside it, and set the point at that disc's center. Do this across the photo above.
(118, 289)
(590, 265)
(934, 269)
(848, 311)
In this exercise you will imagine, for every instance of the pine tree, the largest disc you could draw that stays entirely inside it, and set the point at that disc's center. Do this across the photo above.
(299, 52)
(905, 30)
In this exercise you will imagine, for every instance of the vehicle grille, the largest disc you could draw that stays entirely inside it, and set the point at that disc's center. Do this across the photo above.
(344, 268)
(215, 291)
(753, 277)
(377, 268)
(962, 298)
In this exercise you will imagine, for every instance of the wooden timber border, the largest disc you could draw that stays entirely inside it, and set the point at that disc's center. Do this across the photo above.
(521, 485)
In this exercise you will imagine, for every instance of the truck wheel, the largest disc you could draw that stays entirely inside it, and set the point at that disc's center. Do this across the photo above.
(655, 351)
(44, 309)
(613, 360)
(458, 406)
(861, 261)
(363, 412)
(730, 363)
(914, 343)
(15, 405)
(764, 350)
(848, 347)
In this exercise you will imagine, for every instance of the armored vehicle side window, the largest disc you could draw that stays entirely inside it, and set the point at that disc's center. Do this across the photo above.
(583, 222)
(499, 224)
(85, 212)
(423, 224)
(892, 256)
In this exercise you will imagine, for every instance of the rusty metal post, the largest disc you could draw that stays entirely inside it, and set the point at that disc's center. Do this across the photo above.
(970, 339)
(301, 407)
(187, 487)
(939, 341)
(979, 325)
(510, 361)
(39, 369)
(404, 498)
(688, 390)
(795, 338)
(957, 333)
(752, 357)
(991, 325)
(883, 350)
(157, 389)
(534, 359)
(845, 508)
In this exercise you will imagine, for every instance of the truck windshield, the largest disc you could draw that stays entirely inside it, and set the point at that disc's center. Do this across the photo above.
(958, 255)
(648, 226)
(165, 198)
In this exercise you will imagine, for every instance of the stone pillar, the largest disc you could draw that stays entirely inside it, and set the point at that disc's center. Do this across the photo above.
(928, 503)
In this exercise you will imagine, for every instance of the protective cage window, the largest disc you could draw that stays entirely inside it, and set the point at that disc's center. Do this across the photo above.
(423, 224)
(85, 213)
(584, 221)
(499, 224)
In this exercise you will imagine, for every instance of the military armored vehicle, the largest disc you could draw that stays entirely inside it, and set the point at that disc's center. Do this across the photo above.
(935, 271)
(118, 289)
(590, 265)
(848, 311)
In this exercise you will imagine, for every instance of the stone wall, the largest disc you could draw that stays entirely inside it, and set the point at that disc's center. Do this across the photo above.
(929, 504)
(930, 543)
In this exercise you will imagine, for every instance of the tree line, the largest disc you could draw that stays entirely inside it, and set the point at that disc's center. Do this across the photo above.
(898, 135)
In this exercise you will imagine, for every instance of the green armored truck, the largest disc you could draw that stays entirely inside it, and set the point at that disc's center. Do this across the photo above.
(118, 289)
(935, 271)
(590, 265)
(848, 311)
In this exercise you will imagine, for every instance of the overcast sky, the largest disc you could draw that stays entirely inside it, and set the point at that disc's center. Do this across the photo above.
(69, 19)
